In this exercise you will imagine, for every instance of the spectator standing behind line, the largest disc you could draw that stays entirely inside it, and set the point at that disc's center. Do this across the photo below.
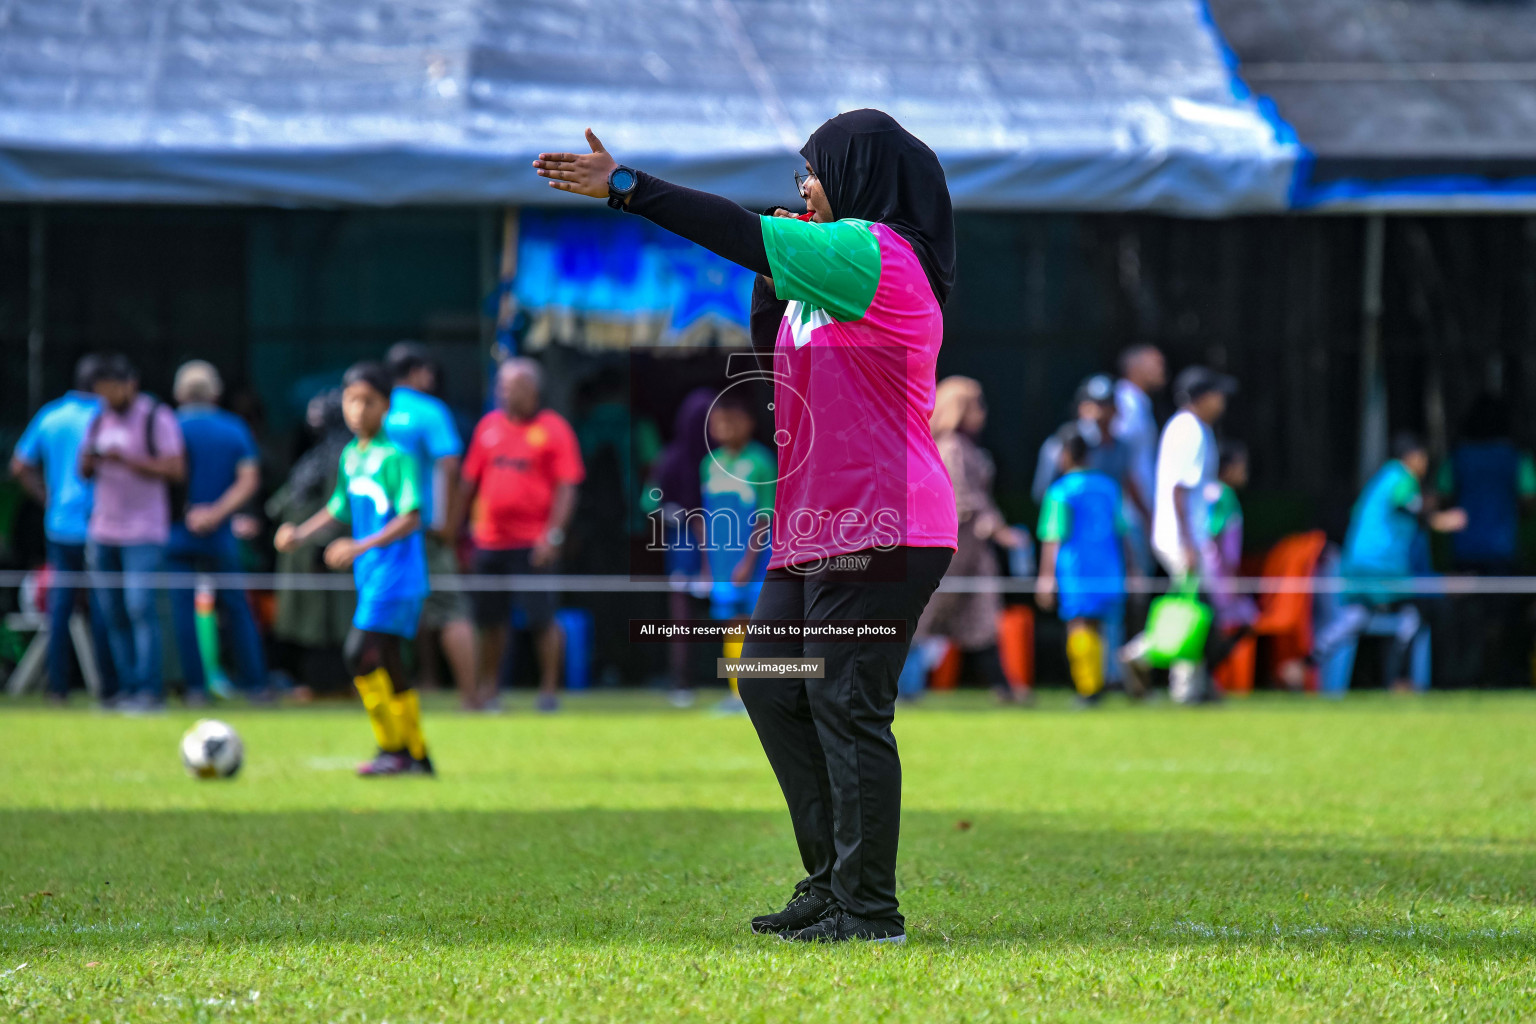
(969, 620)
(520, 478)
(1187, 460)
(133, 451)
(675, 497)
(1097, 408)
(312, 625)
(1143, 373)
(1234, 611)
(1384, 526)
(1493, 480)
(223, 475)
(47, 464)
(421, 426)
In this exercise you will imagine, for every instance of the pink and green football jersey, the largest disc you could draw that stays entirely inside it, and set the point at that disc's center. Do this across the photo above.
(854, 367)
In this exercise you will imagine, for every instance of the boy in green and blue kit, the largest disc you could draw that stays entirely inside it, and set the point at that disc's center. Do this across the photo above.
(377, 493)
(736, 482)
(1084, 552)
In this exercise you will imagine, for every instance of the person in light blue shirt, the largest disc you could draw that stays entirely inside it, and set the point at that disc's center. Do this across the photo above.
(1384, 528)
(47, 464)
(223, 475)
(422, 427)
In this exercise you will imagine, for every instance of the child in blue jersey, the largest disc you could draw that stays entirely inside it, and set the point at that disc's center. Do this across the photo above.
(377, 493)
(736, 482)
(1083, 536)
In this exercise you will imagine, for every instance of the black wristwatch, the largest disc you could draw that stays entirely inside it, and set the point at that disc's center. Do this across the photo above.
(621, 183)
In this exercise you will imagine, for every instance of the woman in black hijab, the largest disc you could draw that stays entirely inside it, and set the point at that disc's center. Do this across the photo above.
(851, 294)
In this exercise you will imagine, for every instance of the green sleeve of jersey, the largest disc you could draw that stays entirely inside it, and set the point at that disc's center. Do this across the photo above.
(764, 474)
(1223, 510)
(646, 441)
(648, 502)
(1445, 480)
(338, 505)
(834, 267)
(399, 482)
(1405, 491)
(1055, 519)
(1526, 479)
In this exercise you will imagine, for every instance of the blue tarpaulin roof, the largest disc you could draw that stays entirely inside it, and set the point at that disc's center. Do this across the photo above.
(1041, 105)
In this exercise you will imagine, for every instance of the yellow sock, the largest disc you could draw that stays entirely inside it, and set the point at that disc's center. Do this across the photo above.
(1085, 655)
(733, 648)
(378, 700)
(407, 708)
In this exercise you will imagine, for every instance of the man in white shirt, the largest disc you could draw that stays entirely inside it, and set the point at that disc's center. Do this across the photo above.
(1186, 463)
(1143, 373)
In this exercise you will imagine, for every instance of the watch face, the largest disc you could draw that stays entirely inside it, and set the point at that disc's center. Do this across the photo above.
(622, 180)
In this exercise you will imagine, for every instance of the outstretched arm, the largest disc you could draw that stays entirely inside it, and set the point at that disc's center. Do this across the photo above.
(719, 225)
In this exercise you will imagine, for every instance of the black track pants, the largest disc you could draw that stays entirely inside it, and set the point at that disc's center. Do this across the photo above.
(829, 740)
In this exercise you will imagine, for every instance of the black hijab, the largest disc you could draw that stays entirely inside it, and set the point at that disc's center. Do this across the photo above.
(872, 168)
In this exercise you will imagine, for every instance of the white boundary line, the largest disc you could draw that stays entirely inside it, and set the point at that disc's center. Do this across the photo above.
(573, 584)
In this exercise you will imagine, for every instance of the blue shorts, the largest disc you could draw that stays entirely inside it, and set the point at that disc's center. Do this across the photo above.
(1084, 604)
(730, 601)
(394, 615)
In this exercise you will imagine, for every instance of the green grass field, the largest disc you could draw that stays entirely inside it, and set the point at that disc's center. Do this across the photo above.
(1277, 859)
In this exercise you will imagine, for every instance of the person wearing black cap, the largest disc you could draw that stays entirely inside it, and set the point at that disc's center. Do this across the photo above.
(1187, 460)
(853, 292)
(1097, 406)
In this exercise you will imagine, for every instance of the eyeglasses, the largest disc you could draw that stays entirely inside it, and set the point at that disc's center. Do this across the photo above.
(801, 177)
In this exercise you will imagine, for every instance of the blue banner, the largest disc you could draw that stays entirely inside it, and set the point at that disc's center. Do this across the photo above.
(616, 265)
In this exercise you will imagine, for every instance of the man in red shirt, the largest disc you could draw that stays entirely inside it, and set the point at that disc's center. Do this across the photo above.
(520, 477)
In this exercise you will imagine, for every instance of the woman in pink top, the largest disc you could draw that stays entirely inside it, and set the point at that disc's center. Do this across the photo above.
(864, 522)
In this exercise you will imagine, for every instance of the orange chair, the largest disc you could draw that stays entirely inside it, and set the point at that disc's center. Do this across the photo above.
(1016, 644)
(1015, 648)
(1286, 618)
(946, 674)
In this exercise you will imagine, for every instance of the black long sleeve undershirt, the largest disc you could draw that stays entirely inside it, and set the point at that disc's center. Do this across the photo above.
(719, 225)
(766, 313)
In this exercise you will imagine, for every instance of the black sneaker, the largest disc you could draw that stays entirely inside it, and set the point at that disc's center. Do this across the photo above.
(804, 908)
(386, 763)
(841, 926)
(421, 766)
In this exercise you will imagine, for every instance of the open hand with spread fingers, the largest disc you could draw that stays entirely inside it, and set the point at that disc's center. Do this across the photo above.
(583, 173)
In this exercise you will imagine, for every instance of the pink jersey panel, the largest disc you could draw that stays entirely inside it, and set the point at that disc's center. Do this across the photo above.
(858, 467)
